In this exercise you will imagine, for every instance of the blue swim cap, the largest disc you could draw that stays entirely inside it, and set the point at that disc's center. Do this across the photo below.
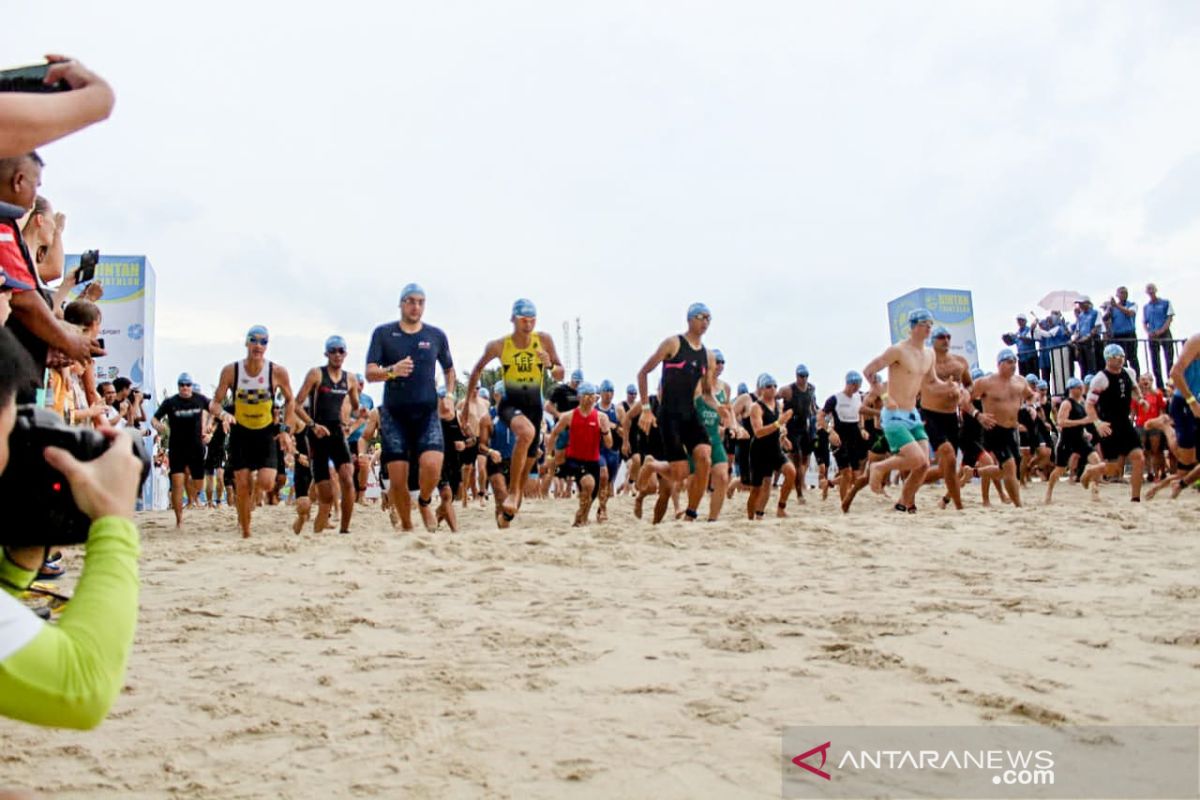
(606, 385)
(411, 289)
(195, 387)
(919, 315)
(743, 388)
(587, 388)
(1087, 379)
(335, 341)
(1074, 383)
(484, 394)
(498, 388)
(184, 379)
(853, 376)
(576, 374)
(977, 373)
(1114, 350)
(257, 330)
(696, 309)
(939, 332)
(1042, 386)
(802, 370)
(718, 356)
(524, 307)
(441, 391)
(1032, 379)
(631, 389)
(765, 380)
(1005, 355)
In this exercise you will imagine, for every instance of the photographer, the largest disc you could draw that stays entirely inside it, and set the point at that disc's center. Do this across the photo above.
(68, 674)
(28, 121)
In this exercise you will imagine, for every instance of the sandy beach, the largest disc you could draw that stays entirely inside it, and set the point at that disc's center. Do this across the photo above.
(621, 660)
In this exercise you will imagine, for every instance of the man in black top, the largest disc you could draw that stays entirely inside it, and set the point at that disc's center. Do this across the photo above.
(563, 397)
(688, 368)
(801, 397)
(1110, 394)
(214, 460)
(406, 354)
(187, 419)
(330, 388)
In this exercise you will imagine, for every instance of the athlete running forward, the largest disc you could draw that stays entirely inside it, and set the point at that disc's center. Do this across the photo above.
(940, 405)
(800, 397)
(688, 370)
(1072, 419)
(1003, 393)
(588, 431)
(1109, 396)
(1184, 407)
(610, 455)
(319, 404)
(254, 436)
(910, 370)
(187, 419)
(406, 354)
(525, 355)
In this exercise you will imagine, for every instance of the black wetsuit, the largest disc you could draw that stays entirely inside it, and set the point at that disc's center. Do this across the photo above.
(679, 423)
(766, 455)
(326, 404)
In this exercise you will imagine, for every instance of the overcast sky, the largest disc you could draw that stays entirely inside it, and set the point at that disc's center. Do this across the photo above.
(793, 165)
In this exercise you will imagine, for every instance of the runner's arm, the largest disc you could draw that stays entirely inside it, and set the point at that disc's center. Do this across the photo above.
(224, 383)
(663, 352)
(28, 121)
(289, 401)
(492, 351)
(311, 378)
(1191, 351)
(563, 422)
(556, 367)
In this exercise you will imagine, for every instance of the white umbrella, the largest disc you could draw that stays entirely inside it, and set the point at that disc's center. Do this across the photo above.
(1060, 300)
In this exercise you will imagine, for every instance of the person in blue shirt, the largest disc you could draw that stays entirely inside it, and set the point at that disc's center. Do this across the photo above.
(1156, 319)
(406, 355)
(1120, 313)
(1087, 335)
(1026, 348)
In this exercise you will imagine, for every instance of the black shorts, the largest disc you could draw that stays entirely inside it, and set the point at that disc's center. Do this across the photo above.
(1001, 442)
(576, 470)
(741, 459)
(681, 434)
(408, 434)
(1122, 441)
(852, 451)
(1068, 447)
(214, 458)
(451, 473)
(764, 461)
(1184, 421)
(941, 427)
(301, 481)
(879, 445)
(253, 449)
(803, 445)
(191, 459)
(324, 449)
(509, 410)
(821, 451)
(500, 467)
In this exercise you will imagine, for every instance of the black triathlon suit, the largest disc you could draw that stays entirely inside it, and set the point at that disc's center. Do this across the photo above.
(1070, 440)
(679, 422)
(327, 400)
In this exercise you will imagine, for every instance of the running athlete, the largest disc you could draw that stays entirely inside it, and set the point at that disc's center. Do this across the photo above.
(610, 457)
(320, 406)
(1002, 394)
(841, 419)
(631, 438)
(1072, 419)
(301, 476)
(766, 450)
(910, 370)
(1109, 396)
(253, 434)
(687, 370)
(587, 430)
(498, 451)
(715, 418)
(471, 457)
(455, 447)
(940, 405)
(800, 397)
(975, 459)
(406, 354)
(1185, 374)
(362, 463)
(525, 355)
(187, 419)
(214, 460)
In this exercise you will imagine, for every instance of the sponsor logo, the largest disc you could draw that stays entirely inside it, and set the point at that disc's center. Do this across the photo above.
(136, 331)
(823, 749)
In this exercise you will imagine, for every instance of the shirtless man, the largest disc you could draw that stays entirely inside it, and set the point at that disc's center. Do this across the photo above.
(1002, 394)
(939, 410)
(910, 371)
(471, 455)
(525, 355)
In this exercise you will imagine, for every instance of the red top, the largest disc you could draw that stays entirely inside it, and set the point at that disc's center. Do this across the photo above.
(584, 441)
(1157, 404)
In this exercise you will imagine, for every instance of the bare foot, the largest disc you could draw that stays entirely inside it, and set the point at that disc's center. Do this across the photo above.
(602, 515)
(781, 511)
(877, 478)
(638, 503)
(580, 519)
(428, 518)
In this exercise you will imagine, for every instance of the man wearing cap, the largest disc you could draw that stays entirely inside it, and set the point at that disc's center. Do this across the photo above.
(474, 478)
(1156, 319)
(940, 404)
(1072, 419)
(1002, 394)
(563, 398)
(840, 418)
(801, 398)
(32, 319)
(1121, 315)
(319, 405)
(688, 369)
(910, 368)
(1110, 394)
(186, 415)
(610, 456)
(587, 432)
(1088, 329)
(1026, 346)
(525, 356)
(254, 435)
(406, 355)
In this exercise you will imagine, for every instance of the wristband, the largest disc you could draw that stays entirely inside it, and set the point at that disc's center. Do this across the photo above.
(1191, 399)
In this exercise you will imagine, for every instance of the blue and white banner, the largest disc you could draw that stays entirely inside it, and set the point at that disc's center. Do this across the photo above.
(950, 307)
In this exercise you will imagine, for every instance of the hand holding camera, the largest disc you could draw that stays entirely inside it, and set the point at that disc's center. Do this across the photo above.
(106, 486)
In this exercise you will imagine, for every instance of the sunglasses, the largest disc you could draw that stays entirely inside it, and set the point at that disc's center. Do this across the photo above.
(705, 317)
(335, 351)
(256, 340)
(943, 336)
(720, 361)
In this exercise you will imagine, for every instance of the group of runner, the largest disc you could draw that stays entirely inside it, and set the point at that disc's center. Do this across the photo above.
(915, 410)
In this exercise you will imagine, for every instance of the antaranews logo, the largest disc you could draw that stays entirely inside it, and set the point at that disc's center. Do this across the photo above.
(823, 749)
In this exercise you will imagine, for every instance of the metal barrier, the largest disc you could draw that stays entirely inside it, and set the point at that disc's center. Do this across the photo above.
(1056, 365)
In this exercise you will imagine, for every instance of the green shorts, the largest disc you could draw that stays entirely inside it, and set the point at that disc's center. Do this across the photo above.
(902, 428)
(719, 456)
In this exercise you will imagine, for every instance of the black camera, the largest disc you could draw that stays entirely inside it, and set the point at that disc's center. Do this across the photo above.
(30, 79)
(37, 498)
(86, 270)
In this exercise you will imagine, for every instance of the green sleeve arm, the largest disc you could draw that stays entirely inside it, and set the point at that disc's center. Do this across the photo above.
(70, 673)
(14, 579)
